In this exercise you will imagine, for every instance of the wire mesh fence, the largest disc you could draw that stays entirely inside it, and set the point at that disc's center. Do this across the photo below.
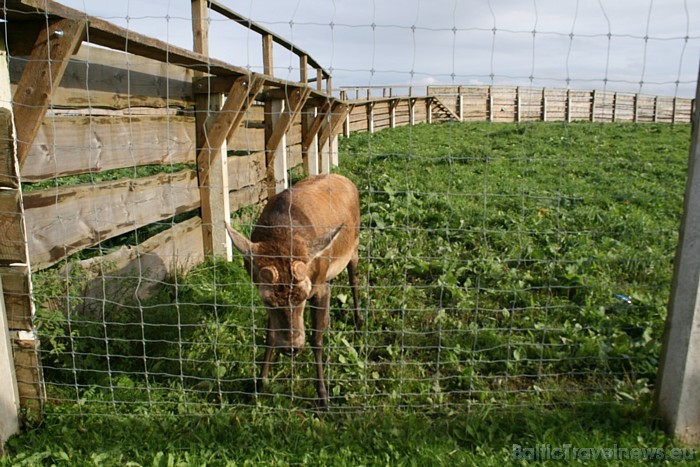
(500, 264)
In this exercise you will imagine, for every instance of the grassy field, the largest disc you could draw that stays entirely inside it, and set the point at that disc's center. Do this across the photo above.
(514, 283)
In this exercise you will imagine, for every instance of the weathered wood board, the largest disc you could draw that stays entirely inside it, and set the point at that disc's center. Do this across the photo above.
(67, 145)
(66, 220)
(11, 237)
(135, 272)
(97, 77)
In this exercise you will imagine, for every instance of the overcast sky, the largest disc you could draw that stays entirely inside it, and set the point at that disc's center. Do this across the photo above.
(644, 46)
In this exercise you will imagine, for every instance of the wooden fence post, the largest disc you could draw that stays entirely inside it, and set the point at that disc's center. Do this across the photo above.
(309, 147)
(392, 113)
(489, 105)
(303, 65)
(568, 106)
(212, 159)
(279, 181)
(9, 393)
(635, 109)
(460, 104)
(52, 50)
(593, 103)
(544, 104)
(673, 111)
(656, 109)
(678, 378)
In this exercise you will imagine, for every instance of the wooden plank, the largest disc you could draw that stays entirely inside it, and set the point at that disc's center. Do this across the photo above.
(151, 262)
(52, 50)
(244, 171)
(248, 196)
(67, 145)
(66, 220)
(11, 232)
(30, 380)
(17, 295)
(8, 167)
(104, 78)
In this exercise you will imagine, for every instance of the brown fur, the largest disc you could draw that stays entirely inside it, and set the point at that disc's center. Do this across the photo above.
(304, 237)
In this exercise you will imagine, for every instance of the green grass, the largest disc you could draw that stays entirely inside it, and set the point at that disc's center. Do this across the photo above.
(492, 261)
(377, 438)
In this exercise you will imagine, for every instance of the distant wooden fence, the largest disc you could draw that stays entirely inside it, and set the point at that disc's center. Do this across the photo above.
(373, 106)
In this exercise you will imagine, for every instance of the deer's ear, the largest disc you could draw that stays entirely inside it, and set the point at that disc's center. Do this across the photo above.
(240, 243)
(321, 246)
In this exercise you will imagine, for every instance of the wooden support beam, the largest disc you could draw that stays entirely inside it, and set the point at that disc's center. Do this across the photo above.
(227, 121)
(212, 134)
(336, 118)
(54, 46)
(295, 101)
(328, 136)
(315, 125)
(282, 114)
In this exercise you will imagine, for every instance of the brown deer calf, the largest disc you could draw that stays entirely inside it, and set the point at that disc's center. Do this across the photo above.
(304, 237)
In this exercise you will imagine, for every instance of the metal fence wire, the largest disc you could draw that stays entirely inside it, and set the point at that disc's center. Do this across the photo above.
(509, 255)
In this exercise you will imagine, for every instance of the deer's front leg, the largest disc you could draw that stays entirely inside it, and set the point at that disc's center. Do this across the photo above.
(319, 322)
(269, 355)
(354, 284)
